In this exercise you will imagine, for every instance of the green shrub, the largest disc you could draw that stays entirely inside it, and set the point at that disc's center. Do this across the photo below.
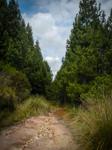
(100, 88)
(14, 87)
(93, 128)
(75, 90)
(7, 98)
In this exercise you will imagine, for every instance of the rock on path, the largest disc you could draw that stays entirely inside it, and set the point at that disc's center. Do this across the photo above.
(37, 133)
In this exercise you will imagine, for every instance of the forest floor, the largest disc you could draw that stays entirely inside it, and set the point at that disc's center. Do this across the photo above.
(38, 133)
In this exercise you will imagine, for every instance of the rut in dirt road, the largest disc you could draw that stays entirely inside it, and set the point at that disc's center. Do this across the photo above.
(38, 133)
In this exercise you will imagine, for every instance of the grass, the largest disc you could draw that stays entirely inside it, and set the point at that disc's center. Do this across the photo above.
(92, 128)
(34, 106)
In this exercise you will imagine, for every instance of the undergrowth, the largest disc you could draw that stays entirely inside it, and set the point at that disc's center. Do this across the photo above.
(92, 128)
(34, 106)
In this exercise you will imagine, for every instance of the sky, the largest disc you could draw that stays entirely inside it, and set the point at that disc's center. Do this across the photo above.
(51, 22)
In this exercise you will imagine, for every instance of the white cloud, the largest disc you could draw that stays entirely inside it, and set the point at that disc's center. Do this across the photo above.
(54, 62)
(106, 5)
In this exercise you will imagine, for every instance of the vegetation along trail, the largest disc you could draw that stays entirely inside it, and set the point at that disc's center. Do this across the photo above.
(38, 133)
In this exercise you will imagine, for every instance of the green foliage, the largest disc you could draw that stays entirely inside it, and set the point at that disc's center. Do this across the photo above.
(8, 98)
(87, 65)
(3, 25)
(14, 87)
(74, 91)
(17, 48)
(100, 88)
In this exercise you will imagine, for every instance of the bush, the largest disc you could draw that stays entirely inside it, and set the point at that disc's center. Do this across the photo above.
(100, 88)
(93, 128)
(7, 98)
(74, 91)
(14, 87)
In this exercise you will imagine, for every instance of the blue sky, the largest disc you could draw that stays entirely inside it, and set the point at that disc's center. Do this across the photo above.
(51, 22)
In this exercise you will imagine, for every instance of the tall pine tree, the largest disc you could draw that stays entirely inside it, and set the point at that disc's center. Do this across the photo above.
(3, 27)
(86, 56)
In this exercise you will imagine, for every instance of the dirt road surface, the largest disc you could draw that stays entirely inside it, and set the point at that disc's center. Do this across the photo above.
(38, 133)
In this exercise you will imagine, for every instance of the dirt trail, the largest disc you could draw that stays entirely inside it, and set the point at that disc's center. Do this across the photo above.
(38, 133)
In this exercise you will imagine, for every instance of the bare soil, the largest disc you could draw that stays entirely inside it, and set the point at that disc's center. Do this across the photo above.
(38, 133)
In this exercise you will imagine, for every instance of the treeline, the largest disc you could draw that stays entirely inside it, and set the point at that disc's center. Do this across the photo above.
(86, 70)
(23, 70)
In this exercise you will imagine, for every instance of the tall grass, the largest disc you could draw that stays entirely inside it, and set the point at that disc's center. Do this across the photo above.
(34, 106)
(93, 128)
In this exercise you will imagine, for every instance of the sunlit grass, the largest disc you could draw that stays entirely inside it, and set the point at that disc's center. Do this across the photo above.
(34, 106)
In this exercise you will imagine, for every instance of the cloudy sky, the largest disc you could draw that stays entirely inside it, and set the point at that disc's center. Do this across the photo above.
(51, 22)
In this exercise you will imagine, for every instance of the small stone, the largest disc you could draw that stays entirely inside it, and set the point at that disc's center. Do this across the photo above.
(36, 137)
(50, 135)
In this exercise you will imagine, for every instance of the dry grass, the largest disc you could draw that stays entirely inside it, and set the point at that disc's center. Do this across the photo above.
(93, 128)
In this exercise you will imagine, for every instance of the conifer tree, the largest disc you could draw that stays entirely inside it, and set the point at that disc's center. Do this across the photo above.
(108, 36)
(89, 13)
(14, 19)
(87, 53)
(29, 32)
(3, 27)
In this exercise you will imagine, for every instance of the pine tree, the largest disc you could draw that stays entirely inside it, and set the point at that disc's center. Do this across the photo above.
(14, 42)
(37, 47)
(89, 13)
(29, 32)
(3, 27)
(47, 80)
(109, 24)
(85, 56)
(108, 36)
(14, 19)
